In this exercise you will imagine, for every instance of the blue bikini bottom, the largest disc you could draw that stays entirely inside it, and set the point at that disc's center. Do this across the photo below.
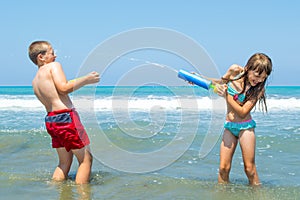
(236, 127)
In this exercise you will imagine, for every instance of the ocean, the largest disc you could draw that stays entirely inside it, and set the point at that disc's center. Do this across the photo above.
(149, 142)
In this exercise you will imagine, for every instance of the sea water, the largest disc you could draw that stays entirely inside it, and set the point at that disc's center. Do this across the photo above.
(155, 134)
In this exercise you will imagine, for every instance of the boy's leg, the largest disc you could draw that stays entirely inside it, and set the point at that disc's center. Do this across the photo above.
(247, 143)
(64, 165)
(85, 160)
(227, 149)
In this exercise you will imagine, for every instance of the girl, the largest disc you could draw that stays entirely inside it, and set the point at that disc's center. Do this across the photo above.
(244, 88)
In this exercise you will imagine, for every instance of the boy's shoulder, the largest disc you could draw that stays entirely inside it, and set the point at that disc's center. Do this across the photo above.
(54, 64)
(50, 66)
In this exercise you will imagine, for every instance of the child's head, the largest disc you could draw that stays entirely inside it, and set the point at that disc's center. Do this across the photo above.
(258, 68)
(38, 50)
(256, 72)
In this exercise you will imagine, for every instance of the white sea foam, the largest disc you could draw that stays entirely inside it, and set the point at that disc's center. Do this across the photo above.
(14, 103)
(147, 103)
(283, 104)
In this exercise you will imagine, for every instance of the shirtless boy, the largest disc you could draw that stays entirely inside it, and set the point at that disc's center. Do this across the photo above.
(62, 121)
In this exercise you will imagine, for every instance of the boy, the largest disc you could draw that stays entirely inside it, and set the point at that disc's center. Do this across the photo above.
(62, 121)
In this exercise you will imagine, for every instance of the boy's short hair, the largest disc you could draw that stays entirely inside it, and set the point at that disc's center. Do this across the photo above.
(36, 48)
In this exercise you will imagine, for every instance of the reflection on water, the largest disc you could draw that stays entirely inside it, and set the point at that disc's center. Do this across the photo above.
(158, 185)
(69, 190)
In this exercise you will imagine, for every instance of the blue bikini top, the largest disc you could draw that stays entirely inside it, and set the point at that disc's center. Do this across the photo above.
(234, 93)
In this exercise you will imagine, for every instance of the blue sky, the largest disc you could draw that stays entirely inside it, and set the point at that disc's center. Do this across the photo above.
(229, 31)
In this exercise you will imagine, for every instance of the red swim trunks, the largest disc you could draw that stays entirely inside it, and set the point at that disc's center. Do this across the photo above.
(66, 130)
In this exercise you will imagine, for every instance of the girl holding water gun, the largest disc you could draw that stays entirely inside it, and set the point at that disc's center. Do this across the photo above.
(242, 88)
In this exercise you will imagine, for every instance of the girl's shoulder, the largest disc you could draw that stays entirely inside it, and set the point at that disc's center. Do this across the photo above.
(235, 70)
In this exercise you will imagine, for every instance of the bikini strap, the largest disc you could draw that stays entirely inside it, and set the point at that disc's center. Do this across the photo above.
(238, 76)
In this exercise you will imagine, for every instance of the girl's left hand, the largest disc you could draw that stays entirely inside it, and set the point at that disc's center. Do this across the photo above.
(221, 90)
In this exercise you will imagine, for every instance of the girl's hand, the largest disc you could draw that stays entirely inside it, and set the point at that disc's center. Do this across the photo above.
(221, 90)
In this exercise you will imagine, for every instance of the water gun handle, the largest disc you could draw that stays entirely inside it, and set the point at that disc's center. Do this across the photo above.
(187, 76)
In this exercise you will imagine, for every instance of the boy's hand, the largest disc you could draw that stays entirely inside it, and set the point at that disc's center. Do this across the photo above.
(93, 77)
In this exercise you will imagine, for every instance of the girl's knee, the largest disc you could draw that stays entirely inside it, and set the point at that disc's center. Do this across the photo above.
(224, 169)
(224, 174)
(250, 170)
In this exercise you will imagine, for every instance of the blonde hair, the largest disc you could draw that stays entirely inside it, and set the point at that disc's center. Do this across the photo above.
(36, 48)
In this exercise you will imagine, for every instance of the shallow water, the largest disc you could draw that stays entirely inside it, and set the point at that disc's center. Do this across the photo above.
(27, 159)
(27, 162)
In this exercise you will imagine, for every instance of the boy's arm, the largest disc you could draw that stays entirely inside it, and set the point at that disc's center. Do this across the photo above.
(64, 86)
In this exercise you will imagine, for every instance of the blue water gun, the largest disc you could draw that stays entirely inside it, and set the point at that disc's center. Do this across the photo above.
(196, 79)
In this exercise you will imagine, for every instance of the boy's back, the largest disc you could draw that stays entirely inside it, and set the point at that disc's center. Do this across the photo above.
(46, 91)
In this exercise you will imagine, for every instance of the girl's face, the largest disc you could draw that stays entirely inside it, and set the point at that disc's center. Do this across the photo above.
(254, 77)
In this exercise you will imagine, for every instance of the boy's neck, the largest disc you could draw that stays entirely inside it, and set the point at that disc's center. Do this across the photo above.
(42, 64)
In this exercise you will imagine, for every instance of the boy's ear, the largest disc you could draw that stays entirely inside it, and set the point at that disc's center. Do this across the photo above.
(40, 57)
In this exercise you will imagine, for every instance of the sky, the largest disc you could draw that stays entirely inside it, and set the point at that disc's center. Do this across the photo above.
(229, 31)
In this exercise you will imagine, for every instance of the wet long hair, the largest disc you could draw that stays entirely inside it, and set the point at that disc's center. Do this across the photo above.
(259, 63)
